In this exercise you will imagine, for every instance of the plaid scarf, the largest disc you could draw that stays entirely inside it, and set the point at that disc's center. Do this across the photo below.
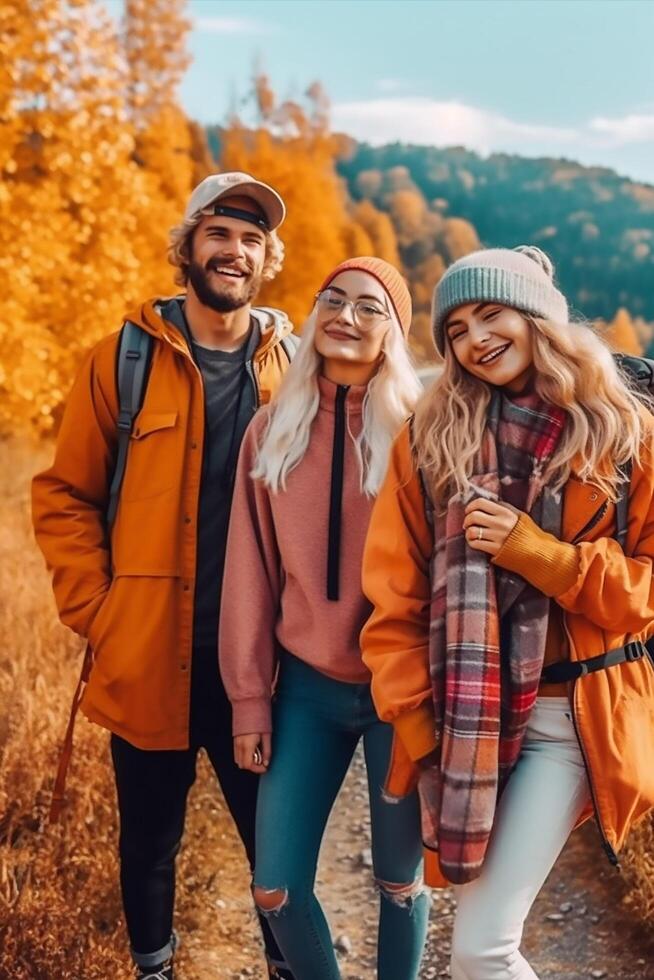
(487, 638)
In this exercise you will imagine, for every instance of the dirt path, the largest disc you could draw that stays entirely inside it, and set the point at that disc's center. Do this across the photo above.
(579, 928)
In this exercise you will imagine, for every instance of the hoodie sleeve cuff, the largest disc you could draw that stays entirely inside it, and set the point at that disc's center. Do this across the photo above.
(416, 731)
(552, 566)
(251, 716)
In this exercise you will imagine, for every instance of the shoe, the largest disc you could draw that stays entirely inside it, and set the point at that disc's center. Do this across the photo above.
(162, 972)
(279, 973)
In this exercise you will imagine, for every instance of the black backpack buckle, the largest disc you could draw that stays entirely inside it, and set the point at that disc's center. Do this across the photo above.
(634, 650)
(124, 421)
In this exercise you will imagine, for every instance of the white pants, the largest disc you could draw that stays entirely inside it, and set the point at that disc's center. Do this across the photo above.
(544, 797)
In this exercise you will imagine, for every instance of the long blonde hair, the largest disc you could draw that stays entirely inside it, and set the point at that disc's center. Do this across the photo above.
(389, 400)
(575, 371)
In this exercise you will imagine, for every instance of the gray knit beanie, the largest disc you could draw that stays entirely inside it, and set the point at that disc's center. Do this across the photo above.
(521, 277)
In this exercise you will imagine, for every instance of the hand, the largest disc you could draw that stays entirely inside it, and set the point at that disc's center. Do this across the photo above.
(245, 749)
(495, 520)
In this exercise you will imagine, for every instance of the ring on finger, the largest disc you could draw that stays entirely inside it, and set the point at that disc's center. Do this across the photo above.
(480, 533)
(257, 758)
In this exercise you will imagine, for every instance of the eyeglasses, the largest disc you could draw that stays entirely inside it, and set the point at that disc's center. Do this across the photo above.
(366, 313)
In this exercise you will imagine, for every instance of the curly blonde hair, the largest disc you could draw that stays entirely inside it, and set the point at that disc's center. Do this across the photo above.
(179, 249)
(575, 371)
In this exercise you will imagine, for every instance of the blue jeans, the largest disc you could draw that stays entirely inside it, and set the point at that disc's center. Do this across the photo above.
(317, 725)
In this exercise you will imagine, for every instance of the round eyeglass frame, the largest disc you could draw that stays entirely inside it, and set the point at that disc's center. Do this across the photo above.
(355, 305)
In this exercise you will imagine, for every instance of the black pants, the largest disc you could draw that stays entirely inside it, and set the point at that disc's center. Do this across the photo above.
(153, 787)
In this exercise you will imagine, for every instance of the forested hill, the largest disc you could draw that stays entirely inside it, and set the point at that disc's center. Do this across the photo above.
(597, 226)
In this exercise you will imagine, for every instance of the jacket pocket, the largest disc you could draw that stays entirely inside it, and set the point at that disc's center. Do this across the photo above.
(149, 422)
(154, 453)
(100, 620)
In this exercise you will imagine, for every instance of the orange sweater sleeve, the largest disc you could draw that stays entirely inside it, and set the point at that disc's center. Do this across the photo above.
(552, 566)
(250, 595)
(612, 589)
(395, 640)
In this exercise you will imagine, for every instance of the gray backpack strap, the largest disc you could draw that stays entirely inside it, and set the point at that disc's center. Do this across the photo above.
(133, 361)
(290, 344)
(622, 507)
(429, 507)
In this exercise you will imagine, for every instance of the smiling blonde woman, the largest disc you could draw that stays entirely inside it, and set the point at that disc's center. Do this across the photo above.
(506, 641)
(308, 474)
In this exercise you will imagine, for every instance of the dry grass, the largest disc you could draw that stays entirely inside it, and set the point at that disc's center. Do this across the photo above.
(60, 913)
(638, 865)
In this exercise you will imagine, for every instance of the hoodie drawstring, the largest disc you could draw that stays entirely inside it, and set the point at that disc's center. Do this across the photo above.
(336, 496)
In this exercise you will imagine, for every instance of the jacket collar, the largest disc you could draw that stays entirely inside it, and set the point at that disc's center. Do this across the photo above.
(153, 316)
(353, 400)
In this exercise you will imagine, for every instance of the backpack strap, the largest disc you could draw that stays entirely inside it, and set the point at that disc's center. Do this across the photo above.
(622, 507)
(132, 365)
(429, 507)
(58, 793)
(290, 344)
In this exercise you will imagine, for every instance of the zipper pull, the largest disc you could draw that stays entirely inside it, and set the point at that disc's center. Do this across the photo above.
(611, 855)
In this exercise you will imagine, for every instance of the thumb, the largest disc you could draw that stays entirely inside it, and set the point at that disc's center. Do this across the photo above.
(266, 747)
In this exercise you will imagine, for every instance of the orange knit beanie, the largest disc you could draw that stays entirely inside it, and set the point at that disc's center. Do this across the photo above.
(386, 274)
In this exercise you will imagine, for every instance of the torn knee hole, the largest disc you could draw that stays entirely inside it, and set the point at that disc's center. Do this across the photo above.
(270, 901)
(401, 894)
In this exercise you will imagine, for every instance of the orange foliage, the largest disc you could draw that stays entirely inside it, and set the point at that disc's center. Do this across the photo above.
(296, 153)
(621, 334)
(380, 230)
(80, 214)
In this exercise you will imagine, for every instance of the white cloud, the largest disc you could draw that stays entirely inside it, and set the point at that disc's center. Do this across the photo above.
(389, 84)
(634, 128)
(231, 25)
(423, 120)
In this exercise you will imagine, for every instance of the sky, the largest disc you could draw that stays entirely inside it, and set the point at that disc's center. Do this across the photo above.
(572, 78)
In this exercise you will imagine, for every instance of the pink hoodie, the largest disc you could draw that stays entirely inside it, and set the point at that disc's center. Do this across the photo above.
(275, 583)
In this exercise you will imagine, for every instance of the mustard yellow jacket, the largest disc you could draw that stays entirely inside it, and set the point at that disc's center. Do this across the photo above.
(132, 597)
(607, 597)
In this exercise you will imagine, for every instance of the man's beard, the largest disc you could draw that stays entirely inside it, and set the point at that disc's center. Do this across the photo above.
(225, 302)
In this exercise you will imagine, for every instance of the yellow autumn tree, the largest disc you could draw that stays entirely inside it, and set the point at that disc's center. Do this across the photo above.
(167, 147)
(379, 229)
(69, 202)
(293, 149)
(77, 206)
(621, 334)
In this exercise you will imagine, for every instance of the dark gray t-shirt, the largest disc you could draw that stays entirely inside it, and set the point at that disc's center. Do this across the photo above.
(230, 401)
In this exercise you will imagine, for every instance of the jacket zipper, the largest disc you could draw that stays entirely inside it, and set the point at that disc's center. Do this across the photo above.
(589, 525)
(608, 849)
(249, 367)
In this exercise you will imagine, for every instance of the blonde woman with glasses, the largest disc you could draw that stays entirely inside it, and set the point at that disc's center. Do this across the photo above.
(310, 467)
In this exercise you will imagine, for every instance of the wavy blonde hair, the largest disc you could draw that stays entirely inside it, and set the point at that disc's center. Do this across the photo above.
(180, 241)
(575, 371)
(389, 400)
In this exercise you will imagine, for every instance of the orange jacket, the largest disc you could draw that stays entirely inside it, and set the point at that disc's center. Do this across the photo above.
(132, 597)
(607, 598)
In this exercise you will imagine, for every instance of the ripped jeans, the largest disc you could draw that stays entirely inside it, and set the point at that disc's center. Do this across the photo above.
(318, 723)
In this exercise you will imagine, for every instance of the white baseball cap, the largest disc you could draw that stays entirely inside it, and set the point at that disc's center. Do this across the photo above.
(215, 186)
